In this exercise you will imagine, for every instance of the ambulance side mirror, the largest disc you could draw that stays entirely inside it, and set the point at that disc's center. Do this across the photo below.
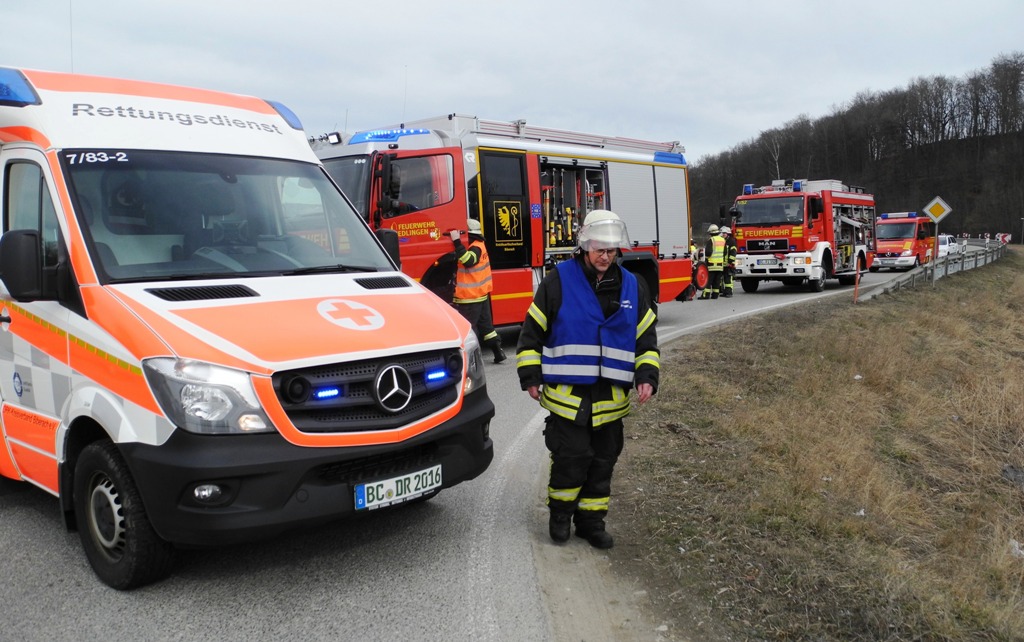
(20, 265)
(389, 239)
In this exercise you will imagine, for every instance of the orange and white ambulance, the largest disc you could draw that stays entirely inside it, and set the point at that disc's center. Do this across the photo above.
(202, 342)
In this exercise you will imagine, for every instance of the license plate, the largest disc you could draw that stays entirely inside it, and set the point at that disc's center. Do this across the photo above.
(767, 262)
(397, 489)
(887, 261)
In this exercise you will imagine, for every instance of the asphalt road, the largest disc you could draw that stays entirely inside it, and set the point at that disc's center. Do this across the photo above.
(474, 563)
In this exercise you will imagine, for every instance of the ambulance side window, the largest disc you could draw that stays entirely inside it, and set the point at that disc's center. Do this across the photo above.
(29, 207)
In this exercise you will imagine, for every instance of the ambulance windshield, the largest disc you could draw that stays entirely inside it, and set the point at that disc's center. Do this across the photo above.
(173, 215)
(788, 210)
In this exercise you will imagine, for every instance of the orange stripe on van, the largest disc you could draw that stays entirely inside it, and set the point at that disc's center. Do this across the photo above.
(37, 467)
(39, 333)
(268, 399)
(38, 431)
(54, 81)
(15, 134)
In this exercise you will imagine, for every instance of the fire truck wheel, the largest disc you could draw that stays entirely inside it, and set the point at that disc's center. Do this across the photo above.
(120, 543)
(749, 285)
(816, 285)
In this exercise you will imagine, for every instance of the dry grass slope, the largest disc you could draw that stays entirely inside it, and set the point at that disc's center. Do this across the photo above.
(839, 472)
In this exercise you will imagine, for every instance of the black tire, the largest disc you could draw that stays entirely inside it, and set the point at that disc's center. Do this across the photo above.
(749, 285)
(120, 543)
(872, 269)
(816, 285)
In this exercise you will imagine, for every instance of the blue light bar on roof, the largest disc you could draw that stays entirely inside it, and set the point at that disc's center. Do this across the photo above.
(385, 135)
(797, 186)
(15, 90)
(669, 158)
(288, 115)
(748, 189)
(899, 215)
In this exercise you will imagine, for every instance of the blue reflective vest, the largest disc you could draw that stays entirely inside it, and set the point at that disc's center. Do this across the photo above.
(583, 345)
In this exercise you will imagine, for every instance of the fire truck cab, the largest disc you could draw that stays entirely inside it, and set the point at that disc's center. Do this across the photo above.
(905, 241)
(802, 232)
(530, 188)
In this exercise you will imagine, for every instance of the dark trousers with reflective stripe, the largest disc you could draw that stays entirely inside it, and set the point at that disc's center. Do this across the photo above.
(584, 458)
(479, 315)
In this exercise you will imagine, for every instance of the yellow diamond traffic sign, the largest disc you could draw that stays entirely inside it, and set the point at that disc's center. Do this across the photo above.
(937, 209)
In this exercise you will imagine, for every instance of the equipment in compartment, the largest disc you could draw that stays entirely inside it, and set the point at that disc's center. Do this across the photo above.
(569, 192)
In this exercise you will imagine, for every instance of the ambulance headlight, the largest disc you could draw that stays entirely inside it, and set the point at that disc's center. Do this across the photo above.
(204, 398)
(474, 364)
(906, 252)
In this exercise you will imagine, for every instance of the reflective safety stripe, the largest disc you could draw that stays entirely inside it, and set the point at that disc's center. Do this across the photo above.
(527, 358)
(593, 503)
(650, 358)
(615, 408)
(646, 323)
(564, 494)
(538, 316)
(559, 400)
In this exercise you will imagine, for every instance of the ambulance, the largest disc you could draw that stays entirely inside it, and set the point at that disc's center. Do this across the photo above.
(202, 342)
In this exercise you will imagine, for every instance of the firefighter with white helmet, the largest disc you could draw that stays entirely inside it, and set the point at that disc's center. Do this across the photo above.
(473, 287)
(730, 261)
(714, 254)
(588, 338)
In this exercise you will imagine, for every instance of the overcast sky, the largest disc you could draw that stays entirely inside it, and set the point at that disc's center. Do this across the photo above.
(711, 74)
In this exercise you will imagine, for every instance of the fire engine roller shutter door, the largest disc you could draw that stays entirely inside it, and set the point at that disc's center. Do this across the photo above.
(631, 195)
(673, 210)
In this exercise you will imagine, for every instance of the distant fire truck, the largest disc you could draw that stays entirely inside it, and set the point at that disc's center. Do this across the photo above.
(530, 187)
(802, 232)
(905, 241)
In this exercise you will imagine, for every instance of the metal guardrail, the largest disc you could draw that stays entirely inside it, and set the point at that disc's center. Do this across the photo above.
(950, 264)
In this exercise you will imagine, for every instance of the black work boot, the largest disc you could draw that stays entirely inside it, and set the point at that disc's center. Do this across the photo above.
(596, 535)
(499, 354)
(558, 527)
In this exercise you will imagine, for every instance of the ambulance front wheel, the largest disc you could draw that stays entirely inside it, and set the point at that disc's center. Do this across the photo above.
(120, 543)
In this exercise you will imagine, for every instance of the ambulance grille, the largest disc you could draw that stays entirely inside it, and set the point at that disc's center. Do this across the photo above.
(389, 464)
(355, 408)
(203, 292)
(383, 282)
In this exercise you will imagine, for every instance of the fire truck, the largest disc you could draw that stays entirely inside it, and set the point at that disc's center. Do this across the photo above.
(530, 188)
(802, 232)
(905, 241)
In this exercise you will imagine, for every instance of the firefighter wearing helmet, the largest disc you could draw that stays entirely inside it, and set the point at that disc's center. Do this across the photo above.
(730, 260)
(588, 338)
(473, 287)
(714, 254)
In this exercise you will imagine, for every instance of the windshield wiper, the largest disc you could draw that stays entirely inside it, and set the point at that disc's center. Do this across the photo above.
(322, 269)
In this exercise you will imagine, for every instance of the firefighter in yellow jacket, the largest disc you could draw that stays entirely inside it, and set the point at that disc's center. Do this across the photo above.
(588, 338)
(714, 254)
(473, 287)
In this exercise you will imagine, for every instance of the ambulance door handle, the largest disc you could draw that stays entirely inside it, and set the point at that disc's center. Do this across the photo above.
(5, 319)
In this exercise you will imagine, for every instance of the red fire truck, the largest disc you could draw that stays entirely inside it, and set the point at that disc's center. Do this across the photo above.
(531, 189)
(802, 232)
(905, 241)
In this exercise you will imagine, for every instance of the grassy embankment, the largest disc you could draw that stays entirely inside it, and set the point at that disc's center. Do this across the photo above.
(835, 471)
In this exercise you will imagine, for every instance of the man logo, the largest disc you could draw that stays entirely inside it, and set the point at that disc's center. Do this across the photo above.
(350, 315)
(393, 388)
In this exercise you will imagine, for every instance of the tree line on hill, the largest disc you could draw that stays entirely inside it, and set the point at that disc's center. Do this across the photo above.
(961, 139)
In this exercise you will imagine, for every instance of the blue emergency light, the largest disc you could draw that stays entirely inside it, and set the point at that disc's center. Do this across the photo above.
(797, 186)
(15, 90)
(669, 158)
(327, 393)
(436, 375)
(288, 115)
(384, 135)
(748, 189)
